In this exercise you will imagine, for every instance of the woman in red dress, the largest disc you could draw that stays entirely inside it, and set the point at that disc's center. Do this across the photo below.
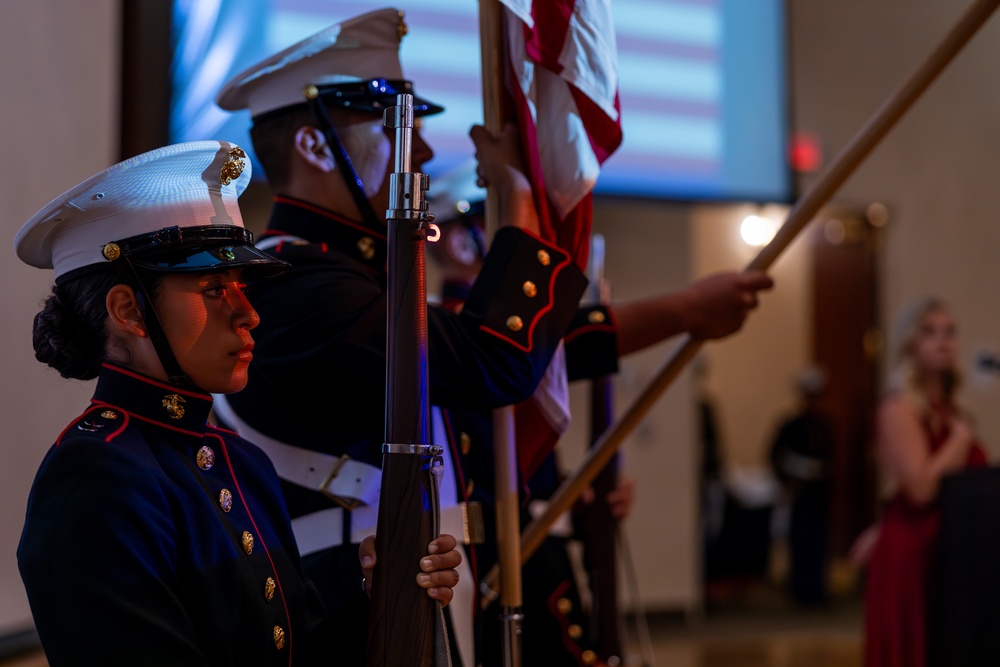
(922, 435)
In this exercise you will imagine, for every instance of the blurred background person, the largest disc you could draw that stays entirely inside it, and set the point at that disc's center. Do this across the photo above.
(800, 458)
(922, 435)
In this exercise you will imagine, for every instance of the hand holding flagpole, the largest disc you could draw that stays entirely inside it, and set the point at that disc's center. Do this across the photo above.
(826, 184)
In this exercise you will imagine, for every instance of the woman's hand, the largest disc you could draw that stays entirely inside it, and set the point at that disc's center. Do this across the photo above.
(437, 569)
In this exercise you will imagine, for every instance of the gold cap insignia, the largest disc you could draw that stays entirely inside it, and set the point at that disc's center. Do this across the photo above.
(112, 251)
(226, 254)
(172, 402)
(233, 167)
(401, 28)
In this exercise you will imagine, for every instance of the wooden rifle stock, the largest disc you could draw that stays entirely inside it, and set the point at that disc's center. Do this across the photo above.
(807, 206)
(402, 617)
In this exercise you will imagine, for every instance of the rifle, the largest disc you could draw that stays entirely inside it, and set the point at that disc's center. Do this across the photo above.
(402, 616)
(599, 528)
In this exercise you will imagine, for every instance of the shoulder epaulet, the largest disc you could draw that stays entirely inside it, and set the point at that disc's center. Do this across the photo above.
(99, 422)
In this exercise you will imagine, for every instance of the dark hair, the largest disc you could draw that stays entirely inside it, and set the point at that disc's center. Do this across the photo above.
(69, 332)
(272, 136)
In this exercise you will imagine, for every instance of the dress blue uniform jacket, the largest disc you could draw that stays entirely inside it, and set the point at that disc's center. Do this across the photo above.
(323, 325)
(152, 538)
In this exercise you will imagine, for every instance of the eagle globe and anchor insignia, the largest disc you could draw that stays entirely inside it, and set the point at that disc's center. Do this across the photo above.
(174, 405)
(233, 167)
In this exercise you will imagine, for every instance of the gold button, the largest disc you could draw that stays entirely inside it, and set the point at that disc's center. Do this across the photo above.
(279, 637)
(514, 323)
(564, 605)
(205, 458)
(543, 258)
(595, 317)
(225, 500)
(367, 247)
(269, 587)
(530, 290)
(469, 487)
(466, 443)
(588, 657)
(574, 631)
(112, 251)
(109, 414)
(247, 542)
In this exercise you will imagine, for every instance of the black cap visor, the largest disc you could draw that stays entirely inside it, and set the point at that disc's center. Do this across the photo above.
(369, 96)
(201, 249)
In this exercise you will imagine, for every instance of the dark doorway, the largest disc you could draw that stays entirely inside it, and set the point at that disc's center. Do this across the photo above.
(847, 343)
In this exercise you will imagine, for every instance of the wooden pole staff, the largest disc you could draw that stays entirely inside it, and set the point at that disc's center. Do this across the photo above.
(826, 184)
(505, 453)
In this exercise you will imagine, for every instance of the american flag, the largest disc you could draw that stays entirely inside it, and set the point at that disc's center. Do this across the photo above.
(564, 87)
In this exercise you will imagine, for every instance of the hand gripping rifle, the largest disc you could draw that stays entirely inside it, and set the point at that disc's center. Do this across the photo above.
(402, 618)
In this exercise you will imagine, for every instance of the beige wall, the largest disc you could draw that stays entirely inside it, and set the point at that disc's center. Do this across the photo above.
(936, 172)
(58, 111)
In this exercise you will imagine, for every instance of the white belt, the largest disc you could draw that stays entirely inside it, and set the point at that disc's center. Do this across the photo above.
(339, 477)
(561, 527)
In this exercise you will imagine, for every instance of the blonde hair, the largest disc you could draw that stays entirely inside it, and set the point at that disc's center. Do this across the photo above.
(903, 377)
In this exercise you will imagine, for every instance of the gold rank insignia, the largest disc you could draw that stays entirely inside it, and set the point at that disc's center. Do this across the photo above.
(173, 404)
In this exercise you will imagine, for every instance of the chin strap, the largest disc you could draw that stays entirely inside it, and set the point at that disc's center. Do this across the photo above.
(154, 328)
(354, 184)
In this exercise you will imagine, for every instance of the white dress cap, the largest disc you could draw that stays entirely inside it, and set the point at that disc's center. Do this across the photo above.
(361, 48)
(194, 184)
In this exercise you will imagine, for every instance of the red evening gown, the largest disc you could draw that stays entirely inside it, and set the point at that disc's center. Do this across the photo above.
(899, 573)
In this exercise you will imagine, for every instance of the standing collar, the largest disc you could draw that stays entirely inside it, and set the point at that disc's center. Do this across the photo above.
(152, 400)
(316, 224)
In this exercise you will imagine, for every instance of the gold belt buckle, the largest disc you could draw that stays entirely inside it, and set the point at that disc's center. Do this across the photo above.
(348, 504)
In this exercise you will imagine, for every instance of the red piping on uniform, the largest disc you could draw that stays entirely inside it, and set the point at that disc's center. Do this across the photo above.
(149, 380)
(96, 406)
(611, 325)
(277, 579)
(327, 214)
(154, 422)
(553, 604)
(531, 328)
